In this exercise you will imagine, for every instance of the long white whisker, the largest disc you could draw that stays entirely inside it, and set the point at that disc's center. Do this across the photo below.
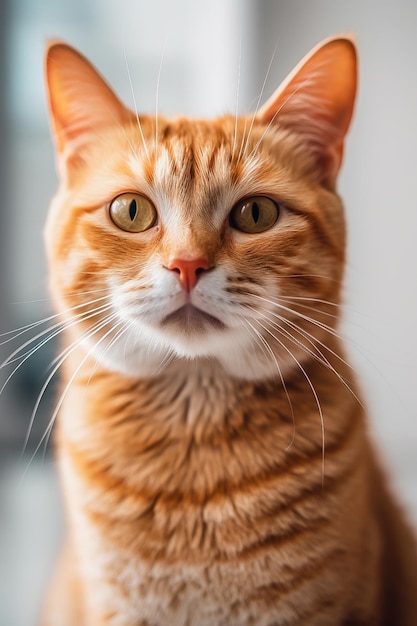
(167, 359)
(316, 353)
(322, 358)
(321, 325)
(63, 395)
(242, 143)
(50, 333)
(56, 364)
(157, 97)
(265, 345)
(328, 329)
(87, 332)
(306, 334)
(119, 333)
(259, 99)
(23, 329)
(237, 99)
(134, 102)
(112, 342)
(288, 98)
(322, 276)
(312, 308)
(306, 376)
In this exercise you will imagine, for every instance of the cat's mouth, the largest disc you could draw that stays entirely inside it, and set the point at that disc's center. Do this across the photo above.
(191, 319)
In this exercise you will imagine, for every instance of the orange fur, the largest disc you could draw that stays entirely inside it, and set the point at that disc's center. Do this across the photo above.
(213, 449)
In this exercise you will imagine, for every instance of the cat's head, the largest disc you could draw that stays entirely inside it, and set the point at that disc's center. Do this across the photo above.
(220, 239)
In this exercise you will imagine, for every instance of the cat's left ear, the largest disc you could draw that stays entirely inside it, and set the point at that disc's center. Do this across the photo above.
(80, 101)
(316, 102)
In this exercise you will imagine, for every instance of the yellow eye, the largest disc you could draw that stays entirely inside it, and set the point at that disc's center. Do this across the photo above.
(254, 215)
(133, 212)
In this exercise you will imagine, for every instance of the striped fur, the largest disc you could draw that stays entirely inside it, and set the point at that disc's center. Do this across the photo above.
(216, 467)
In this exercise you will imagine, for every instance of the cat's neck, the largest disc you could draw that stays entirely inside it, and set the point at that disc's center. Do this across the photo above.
(199, 399)
(190, 394)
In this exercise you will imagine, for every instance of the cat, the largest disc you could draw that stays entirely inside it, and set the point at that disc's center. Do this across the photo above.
(211, 439)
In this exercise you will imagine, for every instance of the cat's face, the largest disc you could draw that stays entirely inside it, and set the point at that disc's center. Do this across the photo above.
(215, 239)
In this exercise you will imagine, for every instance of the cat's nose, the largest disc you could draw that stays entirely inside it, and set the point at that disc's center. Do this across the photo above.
(189, 271)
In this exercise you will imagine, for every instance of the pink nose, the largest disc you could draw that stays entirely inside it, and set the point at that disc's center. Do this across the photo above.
(189, 271)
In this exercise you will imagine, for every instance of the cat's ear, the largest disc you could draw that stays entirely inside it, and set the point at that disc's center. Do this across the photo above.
(316, 101)
(80, 101)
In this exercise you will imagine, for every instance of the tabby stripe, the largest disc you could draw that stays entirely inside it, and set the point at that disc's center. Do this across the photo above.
(266, 545)
(322, 232)
(98, 473)
(299, 578)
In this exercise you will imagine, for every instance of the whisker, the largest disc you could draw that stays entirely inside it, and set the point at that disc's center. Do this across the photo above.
(329, 329)
(306, 376)
(19, 354)
(119, 334)
(75, 345)
(346, 339)
(278, 111)
(66, 353)
(312, 340)
(134, 102)
(167, 359)
(112, 342)
(319, 324)
(316, 353)
(110, 345)
(321, 276)
(336, 305)
(306, 307)
(242, 143)
(28, 327)
(323, 359)
(38, 347)
(266, 347)
(24, 329)
(237, 99)
(157, 97)
(259, 99)
(85, 334)
(56, 364)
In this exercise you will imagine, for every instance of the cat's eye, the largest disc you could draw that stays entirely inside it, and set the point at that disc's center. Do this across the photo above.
(133, 212)
(254, 215)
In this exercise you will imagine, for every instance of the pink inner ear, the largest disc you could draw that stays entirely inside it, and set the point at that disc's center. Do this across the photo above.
(80, 101)
(316, 101)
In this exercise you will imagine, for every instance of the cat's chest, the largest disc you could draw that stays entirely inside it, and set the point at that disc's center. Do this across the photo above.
(272, 587)
(191, 493)
(157, 444)
(184, 439)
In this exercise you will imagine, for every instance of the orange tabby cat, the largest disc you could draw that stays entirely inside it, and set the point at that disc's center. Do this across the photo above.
(214, 454)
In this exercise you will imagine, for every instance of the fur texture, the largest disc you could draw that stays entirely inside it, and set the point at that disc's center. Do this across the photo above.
(212, 444)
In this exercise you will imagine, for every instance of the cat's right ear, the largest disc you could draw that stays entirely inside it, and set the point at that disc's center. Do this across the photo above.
(80, 101)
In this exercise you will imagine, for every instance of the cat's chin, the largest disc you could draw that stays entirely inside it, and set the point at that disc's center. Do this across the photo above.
(148, 351)
(191, 321)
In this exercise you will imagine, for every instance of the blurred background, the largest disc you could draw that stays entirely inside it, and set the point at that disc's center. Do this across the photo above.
(205, 54)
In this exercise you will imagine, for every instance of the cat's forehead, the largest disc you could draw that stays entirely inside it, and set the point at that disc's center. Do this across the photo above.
(200, 165)
(193, 151)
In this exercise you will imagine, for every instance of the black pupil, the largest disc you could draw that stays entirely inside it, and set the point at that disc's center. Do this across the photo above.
(255, 212)
(132, 210)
